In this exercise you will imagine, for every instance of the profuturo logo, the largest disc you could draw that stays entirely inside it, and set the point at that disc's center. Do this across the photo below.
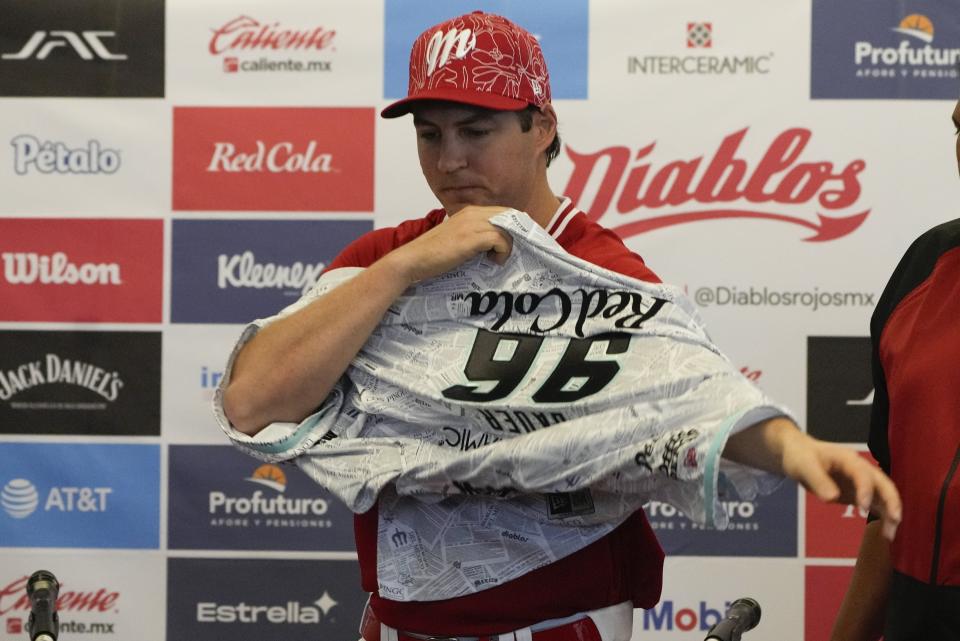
(857, 53)
(19, 498)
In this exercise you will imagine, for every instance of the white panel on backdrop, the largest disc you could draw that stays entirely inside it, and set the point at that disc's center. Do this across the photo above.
(66, 157)
(194, 357)
(697, 592)
(284, 52)
(106, 595)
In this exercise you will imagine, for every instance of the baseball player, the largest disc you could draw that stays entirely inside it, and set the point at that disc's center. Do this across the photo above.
(479, 93)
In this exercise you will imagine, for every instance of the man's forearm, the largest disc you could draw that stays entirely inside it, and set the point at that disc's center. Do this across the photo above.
(762, 445)
(286, 371)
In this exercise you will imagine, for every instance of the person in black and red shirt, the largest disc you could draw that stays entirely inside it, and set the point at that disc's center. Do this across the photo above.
(909, 590)
(486, 130)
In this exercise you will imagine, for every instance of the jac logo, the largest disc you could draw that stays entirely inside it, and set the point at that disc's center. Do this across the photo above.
(273, 159)
(87, 44)
(717, 187)
(441, 46)
(670, 616)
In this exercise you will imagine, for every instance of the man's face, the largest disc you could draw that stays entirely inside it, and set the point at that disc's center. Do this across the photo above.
(476, 157)
(956, 122)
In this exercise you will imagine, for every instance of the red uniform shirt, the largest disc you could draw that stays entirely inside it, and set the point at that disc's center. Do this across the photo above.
(625, 565)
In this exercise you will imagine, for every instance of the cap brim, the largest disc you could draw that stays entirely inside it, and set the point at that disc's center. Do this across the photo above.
(485, 100)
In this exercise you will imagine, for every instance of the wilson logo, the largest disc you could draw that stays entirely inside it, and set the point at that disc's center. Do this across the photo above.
(27, 268)
(87, 44)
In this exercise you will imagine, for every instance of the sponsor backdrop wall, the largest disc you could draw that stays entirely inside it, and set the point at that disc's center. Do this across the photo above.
(173, 169)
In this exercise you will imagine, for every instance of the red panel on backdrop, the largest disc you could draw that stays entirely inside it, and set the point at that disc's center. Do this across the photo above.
(81, 270)
(824, 589)
(834, 531)
(273, 159)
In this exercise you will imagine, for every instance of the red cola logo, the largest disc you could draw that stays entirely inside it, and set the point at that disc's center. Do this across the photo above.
(14, 598)
(632, 184)
(247, 33)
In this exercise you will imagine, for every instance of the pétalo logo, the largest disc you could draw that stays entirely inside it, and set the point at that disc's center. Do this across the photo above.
(441, 46)
(87, 44)
(21, 499)
(243, 271)
(49, 157)
(28, 268)
(283, 613)
(280, 157)
(54, 368)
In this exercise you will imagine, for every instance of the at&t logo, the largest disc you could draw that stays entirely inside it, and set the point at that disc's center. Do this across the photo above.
(20, 499)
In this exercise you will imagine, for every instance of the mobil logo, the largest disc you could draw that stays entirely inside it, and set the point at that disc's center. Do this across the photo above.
(81, 270)
(670, 615)
(562, 32)
(635, 190)
(273, 159)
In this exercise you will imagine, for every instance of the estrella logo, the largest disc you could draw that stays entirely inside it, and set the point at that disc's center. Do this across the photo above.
(669, 615)
(270, 476)
(916, 25)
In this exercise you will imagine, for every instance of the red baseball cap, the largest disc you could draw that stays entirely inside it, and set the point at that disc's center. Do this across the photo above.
(478, 59)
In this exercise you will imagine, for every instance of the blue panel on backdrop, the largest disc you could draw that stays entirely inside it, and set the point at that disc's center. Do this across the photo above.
(871, 49)
(766, 526)
(229, 271)
(75, 495)
(561, 26)
(263, 599)
(221, 499)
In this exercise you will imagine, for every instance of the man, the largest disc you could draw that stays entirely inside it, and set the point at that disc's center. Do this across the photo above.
(486, 130)
(910, 589)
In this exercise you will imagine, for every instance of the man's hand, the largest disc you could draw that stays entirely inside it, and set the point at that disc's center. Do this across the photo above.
(831, 472)
(457, 239)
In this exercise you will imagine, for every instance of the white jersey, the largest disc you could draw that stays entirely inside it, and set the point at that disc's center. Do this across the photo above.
(508, 416)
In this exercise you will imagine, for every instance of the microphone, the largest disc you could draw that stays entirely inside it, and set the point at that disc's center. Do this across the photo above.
(743, 615)
(42, 589)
